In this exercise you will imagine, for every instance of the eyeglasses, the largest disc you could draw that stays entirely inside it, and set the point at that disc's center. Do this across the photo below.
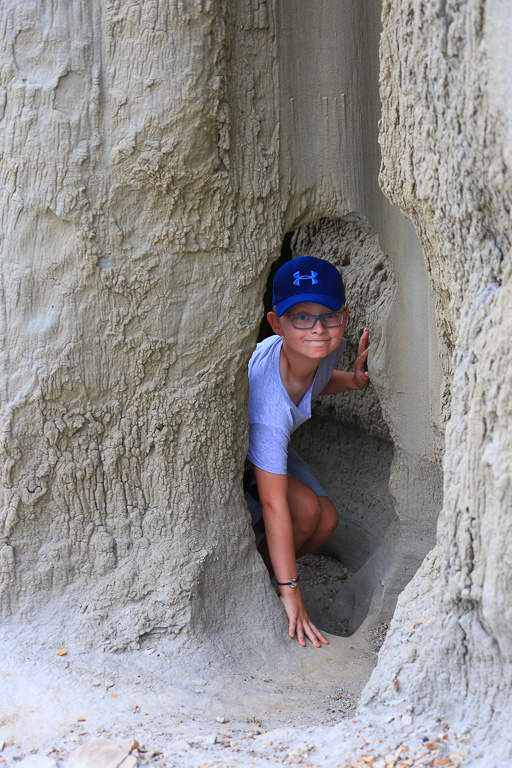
(304, 322)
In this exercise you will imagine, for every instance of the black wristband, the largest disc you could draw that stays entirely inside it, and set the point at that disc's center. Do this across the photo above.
(292, 583)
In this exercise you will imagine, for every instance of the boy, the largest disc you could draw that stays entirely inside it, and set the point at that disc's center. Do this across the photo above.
(286, 372)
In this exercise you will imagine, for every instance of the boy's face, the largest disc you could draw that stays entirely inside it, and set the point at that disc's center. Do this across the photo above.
(313, 343)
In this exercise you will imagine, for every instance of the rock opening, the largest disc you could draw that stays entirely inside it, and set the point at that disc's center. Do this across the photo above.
(348, 443)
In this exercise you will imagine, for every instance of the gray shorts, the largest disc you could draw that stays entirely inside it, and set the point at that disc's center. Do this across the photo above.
(298, 468)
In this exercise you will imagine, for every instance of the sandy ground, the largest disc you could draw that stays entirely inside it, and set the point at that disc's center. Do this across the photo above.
(188, 712)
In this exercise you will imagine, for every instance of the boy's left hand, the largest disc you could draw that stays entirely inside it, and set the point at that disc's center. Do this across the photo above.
(361, 375)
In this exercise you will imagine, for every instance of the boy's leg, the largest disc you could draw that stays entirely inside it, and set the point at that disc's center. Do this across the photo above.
(327, 525)
(314, 518)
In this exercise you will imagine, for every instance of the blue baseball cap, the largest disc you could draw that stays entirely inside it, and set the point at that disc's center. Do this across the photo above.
(308, 278)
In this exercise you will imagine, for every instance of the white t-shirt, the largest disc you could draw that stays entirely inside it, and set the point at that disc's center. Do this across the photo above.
(273, 416)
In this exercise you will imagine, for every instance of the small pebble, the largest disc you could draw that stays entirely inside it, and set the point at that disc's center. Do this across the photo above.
(180, 745)
(222, 719)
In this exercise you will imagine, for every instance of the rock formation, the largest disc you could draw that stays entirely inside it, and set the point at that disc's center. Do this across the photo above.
(154, 155)
(139, 163)
(147, 189)
(446, 138)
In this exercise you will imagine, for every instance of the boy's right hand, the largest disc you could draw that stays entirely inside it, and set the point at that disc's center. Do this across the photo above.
(299, 622)
(361, 375)
(280, 546)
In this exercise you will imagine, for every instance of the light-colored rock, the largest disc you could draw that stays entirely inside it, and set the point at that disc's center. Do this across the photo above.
(179, 745)
(127, 745)
(152, 208)
(100, 753)
(135, 219)
(153, 157)
(446, 136)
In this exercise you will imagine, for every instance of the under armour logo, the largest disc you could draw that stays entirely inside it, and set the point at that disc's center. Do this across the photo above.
(298, 277)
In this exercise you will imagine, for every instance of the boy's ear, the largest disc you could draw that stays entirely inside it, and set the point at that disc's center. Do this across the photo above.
(275, 323)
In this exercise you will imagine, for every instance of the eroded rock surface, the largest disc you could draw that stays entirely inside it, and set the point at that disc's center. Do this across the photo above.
(154, 156)
(135, 236)
(446, 137)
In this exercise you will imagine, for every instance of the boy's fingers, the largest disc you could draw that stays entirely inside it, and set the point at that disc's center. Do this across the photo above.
(364, 342)
(300, 626)
(315, 635)
(319, 636)
(311, 635)
(362, 360)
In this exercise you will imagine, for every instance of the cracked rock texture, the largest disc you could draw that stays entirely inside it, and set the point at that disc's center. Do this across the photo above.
(134, 239)
(446, 137)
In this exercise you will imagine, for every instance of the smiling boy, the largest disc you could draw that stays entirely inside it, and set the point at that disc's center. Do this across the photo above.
(286, 372)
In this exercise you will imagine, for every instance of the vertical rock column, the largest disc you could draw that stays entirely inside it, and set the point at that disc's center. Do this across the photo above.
(447, 151)
(135, 185)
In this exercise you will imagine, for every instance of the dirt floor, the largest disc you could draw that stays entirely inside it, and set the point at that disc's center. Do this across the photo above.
(94, 710)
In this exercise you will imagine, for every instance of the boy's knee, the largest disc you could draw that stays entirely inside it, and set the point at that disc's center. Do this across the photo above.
(305, 506)
(329, 515)
(310, 513)
(314, 513)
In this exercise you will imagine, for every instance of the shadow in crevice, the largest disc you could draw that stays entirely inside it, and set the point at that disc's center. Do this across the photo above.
(321, 577)
(286, 254)
(354, 468)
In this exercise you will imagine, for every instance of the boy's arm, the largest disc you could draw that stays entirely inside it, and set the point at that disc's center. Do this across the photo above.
(344, 381)
(273, 491)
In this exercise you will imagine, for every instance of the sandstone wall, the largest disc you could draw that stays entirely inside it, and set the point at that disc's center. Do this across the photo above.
(446, 137)
(139, 146)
